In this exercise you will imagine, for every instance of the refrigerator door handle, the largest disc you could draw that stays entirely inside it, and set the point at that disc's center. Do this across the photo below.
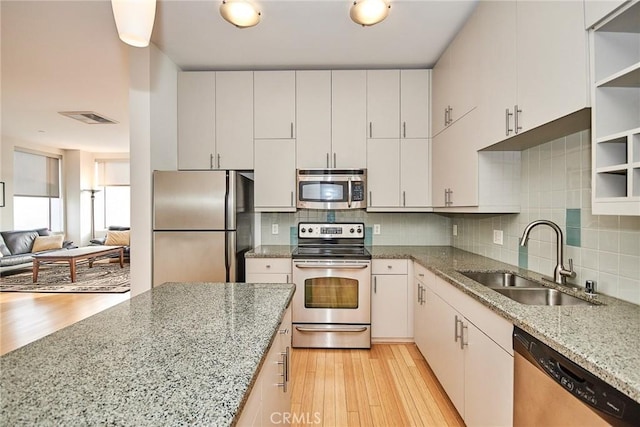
(230, 201)
(230, 256)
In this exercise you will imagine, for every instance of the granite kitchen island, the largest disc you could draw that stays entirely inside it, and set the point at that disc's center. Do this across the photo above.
(181, 353)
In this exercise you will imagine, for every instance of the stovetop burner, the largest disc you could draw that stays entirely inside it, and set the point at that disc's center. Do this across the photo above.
(331, 240)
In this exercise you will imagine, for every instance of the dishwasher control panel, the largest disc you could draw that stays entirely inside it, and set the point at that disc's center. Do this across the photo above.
(612, 405)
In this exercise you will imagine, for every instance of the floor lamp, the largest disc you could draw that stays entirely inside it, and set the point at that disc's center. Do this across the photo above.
(93, 216)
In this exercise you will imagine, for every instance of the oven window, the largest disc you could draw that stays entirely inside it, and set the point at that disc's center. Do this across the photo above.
(322, 191)
(330, 292)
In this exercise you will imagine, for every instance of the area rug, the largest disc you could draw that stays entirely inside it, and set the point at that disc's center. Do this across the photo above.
(102, 278)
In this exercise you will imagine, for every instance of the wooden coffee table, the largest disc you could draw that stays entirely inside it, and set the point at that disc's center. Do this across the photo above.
(72, 256)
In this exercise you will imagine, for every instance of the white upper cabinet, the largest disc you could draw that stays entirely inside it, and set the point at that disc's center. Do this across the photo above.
(383, 172)
(313, 116)
(415, 88)
(383, 103)
(215, 120)
(415, 173)
(275, 175)
(552, 65)
(349, 118)
(234, 120)
(196, 120)
(455, 82)
(274, 104)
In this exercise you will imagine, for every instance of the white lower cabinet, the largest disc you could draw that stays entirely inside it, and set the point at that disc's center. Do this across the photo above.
(420, 313)
(468, 347)
(390, 301)
(270, 399)
(268, 270)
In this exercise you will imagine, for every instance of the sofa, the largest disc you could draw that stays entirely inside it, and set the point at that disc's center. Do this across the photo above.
(115, 236)
(18, 247)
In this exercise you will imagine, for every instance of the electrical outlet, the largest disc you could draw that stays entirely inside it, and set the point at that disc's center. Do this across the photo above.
(497, 237)
(455, 229)
(376, 228)
(274, 228)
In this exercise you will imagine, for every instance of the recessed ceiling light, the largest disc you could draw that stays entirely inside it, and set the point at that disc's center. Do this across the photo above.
(88, 117)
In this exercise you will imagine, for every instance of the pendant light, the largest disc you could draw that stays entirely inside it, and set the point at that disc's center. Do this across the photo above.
(240, 13)
(134, 20)
(369, 12)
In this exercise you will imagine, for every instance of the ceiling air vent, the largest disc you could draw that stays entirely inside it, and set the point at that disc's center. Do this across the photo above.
(88, 117)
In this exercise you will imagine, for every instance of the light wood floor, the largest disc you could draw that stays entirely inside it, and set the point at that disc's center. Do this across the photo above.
(389, 385)
(26, 317)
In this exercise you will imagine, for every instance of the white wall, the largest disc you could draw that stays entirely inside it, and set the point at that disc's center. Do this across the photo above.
(153, 145)
(78, 172)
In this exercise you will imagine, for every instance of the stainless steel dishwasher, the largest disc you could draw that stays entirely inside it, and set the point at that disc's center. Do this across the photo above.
(551, 390)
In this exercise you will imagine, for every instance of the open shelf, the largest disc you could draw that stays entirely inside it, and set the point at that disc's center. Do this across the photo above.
(628, 77)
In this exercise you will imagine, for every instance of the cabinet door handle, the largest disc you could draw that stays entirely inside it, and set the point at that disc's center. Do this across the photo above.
(370, 130)
(335, 162)
(516, 114)
(455, 332)
(211, 161)
(446, 116)
(463, 344)
(404, 129)
(328, 164)
(375, 284)
(288, 278)
(450, 115)
(291, 130)
(370, 199)
(507, 114)
(218, 161)
(450, 197)
(404, 198)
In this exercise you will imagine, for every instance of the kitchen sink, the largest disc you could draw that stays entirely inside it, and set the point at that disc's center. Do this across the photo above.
(523, 290)
(501, 279)
(544, 296)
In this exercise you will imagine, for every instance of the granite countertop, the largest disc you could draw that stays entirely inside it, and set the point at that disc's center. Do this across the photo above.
(181, 353)
(270, 251)
(604, 339)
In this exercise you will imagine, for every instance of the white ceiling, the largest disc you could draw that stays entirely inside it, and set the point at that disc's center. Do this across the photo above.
(60, 56)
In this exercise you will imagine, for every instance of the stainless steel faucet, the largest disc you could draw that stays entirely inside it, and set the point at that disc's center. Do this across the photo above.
(560, 273)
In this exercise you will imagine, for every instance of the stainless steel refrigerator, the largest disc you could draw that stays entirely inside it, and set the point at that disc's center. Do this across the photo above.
(202, 225)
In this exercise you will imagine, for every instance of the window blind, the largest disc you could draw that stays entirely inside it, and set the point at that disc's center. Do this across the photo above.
(112, 172)
(36, 175)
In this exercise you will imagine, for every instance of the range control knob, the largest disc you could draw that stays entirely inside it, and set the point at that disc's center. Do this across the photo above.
(351, 231)
(303, 230)
(310, 230)
(359, 230)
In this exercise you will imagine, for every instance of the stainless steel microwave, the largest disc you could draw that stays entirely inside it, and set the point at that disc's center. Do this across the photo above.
(332, 188)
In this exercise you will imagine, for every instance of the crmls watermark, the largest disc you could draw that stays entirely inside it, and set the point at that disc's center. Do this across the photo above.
(295, 418)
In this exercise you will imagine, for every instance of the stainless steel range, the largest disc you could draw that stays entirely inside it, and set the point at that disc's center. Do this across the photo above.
(332, 272)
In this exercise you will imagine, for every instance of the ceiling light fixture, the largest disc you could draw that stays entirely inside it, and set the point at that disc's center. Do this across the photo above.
(134, 20)
(240, 13)
(369, 12)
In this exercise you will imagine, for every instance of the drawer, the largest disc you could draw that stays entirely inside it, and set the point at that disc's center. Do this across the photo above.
(268, 265)
(389, 266)
(419, 272)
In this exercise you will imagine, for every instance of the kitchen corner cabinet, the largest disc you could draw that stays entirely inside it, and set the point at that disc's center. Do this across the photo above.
(390, 308)
(465, 180)
(616, 114)
(268, 270)
(466, 343)
(271, 393)
(275, 175)
(215, 120)
(349, 118)
(274, 104)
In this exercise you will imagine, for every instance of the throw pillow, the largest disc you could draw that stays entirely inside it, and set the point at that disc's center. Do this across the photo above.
(117, 238)
(47, 243)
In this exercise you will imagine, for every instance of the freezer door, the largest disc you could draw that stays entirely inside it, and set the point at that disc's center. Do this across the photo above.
(189, 256)
(189, 200)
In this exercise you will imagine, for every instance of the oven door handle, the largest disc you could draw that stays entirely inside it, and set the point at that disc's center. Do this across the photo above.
(334, 266)
(349, 192)
(334, 329)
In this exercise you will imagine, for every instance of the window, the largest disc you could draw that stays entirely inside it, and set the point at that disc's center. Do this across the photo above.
(113, 200)
(36, 198)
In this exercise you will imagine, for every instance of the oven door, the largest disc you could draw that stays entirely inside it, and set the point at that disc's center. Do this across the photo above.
(332, 303)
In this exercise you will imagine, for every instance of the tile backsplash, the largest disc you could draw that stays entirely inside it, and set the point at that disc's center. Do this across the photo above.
(556, 185)
(412, 229)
